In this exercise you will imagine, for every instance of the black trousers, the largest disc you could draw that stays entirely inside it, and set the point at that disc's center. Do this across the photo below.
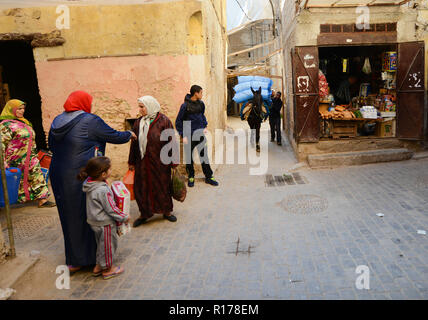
(206, 168)
(275, 128)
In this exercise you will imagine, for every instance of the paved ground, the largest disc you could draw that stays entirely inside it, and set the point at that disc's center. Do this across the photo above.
(296, 241)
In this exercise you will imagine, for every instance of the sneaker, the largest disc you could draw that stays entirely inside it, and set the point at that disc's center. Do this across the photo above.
(279, 143)
(171, 217)
(191, 182)
(272, 139)
(211, 181)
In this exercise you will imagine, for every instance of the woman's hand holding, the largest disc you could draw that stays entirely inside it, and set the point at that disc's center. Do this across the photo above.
(185, 140)
(131, 167)
(133, 136)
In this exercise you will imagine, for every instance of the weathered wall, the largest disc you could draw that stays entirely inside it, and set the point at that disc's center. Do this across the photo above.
(257, 32)
(309, 21)
(288, 37)
(118, 53)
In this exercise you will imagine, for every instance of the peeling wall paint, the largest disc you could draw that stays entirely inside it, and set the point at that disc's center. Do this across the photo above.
(118, 53)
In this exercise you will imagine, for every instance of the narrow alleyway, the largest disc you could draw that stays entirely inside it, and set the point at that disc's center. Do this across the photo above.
(296, 237)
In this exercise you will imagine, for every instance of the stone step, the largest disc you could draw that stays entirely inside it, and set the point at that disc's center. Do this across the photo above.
(358, 157)
(420, 155)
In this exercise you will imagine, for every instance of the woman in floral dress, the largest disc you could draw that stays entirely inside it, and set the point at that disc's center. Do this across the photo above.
(19, 148)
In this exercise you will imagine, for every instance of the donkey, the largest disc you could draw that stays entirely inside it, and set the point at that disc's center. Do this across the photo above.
(256, 115)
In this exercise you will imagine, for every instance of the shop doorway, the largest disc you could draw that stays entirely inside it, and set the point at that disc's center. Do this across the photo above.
(362, 81)
(407, 81)
(18, 80)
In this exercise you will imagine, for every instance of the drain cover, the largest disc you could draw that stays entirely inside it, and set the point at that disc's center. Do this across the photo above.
(27, 226)
(304, 204)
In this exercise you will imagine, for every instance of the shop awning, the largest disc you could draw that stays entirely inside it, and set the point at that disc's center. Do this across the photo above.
(351, 3)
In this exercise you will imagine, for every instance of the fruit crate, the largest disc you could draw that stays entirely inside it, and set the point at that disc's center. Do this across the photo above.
(344, 129)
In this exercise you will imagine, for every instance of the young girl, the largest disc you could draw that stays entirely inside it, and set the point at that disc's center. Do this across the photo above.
(102, 214)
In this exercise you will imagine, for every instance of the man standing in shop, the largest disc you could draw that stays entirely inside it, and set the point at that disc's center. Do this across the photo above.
(275, 118)
(343, 94)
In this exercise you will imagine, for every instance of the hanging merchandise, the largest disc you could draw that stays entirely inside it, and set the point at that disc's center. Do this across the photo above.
(323, 85)
(345, 65)
(367, 69)
(323, 66)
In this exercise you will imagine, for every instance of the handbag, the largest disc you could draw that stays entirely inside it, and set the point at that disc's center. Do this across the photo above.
(128, 181)
(45, 158)
(178, 182)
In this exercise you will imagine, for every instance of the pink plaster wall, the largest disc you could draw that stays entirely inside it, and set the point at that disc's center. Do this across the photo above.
(115, 83)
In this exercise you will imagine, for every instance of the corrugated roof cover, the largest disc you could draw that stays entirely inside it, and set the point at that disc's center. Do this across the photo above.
(345, 3)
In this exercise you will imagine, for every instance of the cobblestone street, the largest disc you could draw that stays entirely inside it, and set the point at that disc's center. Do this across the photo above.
(297, 238)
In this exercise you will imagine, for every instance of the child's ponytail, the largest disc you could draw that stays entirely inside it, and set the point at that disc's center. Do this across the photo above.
(83, 175)
(94, 168)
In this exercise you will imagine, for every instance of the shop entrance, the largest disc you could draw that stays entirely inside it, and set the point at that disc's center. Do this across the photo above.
(18, 80)
(357, 89)
(393, 97)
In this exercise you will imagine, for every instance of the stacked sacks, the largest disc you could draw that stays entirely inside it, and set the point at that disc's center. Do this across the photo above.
(245, 83)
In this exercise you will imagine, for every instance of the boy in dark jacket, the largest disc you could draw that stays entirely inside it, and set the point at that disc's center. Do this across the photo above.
(193, 110)
(275, 118)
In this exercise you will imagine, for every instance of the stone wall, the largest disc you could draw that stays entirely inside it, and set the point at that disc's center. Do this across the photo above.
(118, 53)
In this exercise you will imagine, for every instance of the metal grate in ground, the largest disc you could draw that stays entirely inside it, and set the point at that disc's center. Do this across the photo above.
(26, 226)
(285, 179)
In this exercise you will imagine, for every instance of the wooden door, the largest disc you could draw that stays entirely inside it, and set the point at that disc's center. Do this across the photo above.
(306, 97)
(410, 90)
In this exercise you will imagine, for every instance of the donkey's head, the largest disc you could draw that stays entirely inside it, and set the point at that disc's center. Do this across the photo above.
(257, 99)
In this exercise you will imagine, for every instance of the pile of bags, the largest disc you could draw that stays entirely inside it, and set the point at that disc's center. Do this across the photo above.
(243, 91)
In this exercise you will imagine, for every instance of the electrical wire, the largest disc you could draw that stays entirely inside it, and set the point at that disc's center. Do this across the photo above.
(243, 10)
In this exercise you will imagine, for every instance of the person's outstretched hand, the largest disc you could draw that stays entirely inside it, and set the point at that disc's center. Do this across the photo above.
(133, 136)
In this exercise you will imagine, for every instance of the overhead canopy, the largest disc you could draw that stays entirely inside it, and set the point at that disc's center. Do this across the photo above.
(351, 3)
(240, 12)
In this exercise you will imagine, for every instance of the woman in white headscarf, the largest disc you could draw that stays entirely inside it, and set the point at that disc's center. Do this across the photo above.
(152, 179)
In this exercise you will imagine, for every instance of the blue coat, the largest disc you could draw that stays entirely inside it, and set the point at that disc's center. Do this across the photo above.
(197, 120)
(73, 139)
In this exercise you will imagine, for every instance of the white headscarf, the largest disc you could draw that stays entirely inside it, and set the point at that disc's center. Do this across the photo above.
(153, 107)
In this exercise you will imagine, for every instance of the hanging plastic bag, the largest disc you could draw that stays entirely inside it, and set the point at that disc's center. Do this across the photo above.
(179, 190)
(367, 69)
(128, 181)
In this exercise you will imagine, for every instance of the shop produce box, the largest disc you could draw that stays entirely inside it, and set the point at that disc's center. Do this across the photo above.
(122, 197)
(344, 129)
(386, 129)
(389, 114)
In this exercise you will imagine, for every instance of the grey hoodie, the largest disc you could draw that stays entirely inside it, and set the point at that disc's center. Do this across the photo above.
(101, 209)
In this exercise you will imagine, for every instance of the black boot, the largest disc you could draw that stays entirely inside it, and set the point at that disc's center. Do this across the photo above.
(139, 221)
